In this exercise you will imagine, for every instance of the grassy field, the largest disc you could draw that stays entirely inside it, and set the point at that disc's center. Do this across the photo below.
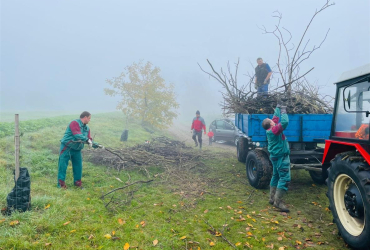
(165, 213)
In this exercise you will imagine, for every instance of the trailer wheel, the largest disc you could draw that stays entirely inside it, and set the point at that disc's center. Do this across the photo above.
(259, 169)
(319, 178)
(349, 197)
(242, 149)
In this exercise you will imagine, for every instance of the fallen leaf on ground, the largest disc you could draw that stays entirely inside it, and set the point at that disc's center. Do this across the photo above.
(229, 207)
(121, 222)
(155, 242)
(280, 238)
(206, 211)
(14, 222)
(281, 248)
(66, 223)
(298, 242)
(113, 233)
(238, 243)
(142, 223)
(47, 244)
(91, 237)
(270, 246)
(74, 230)
(211, 243)
(47, 206)
(126, 246)
(183, 237)
(108, 236)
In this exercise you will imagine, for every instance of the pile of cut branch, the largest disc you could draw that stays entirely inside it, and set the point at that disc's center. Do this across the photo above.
(289, 87)
(176, 160)
(160, 151)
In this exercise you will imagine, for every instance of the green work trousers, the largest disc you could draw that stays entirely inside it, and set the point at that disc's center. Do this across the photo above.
(66, 154)
(281, 172)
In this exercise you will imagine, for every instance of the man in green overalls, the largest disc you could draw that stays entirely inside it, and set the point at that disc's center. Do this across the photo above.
(77, 134)
(278, 148)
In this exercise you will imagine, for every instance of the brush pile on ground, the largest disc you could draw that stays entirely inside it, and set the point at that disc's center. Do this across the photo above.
(161, 151)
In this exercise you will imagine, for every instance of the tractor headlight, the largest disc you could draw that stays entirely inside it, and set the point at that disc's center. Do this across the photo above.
(258, 144)
(253, 143)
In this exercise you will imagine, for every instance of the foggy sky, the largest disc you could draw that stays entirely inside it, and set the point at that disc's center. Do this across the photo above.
(56, 55)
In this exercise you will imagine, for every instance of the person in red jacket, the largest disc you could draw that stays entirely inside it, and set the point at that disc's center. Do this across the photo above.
(210, 136)
(196, 128)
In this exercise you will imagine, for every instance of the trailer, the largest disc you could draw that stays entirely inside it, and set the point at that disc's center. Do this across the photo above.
(306, 135)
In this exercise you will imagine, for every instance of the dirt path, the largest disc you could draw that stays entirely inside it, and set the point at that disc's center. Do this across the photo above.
(182, 133)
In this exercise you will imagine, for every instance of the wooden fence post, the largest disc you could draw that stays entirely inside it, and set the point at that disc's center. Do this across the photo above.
(17, 146)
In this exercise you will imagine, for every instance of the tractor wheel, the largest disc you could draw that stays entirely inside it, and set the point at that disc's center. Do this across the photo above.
(242, 149)
(259, 169)
(319, 178)
(349, 197)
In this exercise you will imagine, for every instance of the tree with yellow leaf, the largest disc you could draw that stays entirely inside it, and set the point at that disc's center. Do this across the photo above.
(145, 95)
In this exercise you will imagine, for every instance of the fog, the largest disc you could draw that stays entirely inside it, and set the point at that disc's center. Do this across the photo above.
(56, 55)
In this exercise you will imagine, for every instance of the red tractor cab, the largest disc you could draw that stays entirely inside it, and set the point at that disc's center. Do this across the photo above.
(348, 152)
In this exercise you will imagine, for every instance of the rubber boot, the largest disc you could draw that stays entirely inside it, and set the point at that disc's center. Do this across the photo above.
(272, 195)
(62, 184)
(200, 146)
(279, 203)
(79, 184)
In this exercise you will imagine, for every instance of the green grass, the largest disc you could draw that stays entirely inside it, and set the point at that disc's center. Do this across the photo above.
(182, 203)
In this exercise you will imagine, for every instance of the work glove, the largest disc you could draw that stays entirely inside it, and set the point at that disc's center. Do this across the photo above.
(265, 81)
(278, 105)
(283, 109)
(89, 141)
(95, 145)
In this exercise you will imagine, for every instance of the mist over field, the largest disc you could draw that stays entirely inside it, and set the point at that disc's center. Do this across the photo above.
(56, 56)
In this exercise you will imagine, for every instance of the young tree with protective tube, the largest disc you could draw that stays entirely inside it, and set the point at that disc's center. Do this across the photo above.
(145, 95)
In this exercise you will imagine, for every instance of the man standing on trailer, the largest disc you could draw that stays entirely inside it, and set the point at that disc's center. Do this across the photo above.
(263, 73)
(196, 128)
(278, 148)
(77, 134)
